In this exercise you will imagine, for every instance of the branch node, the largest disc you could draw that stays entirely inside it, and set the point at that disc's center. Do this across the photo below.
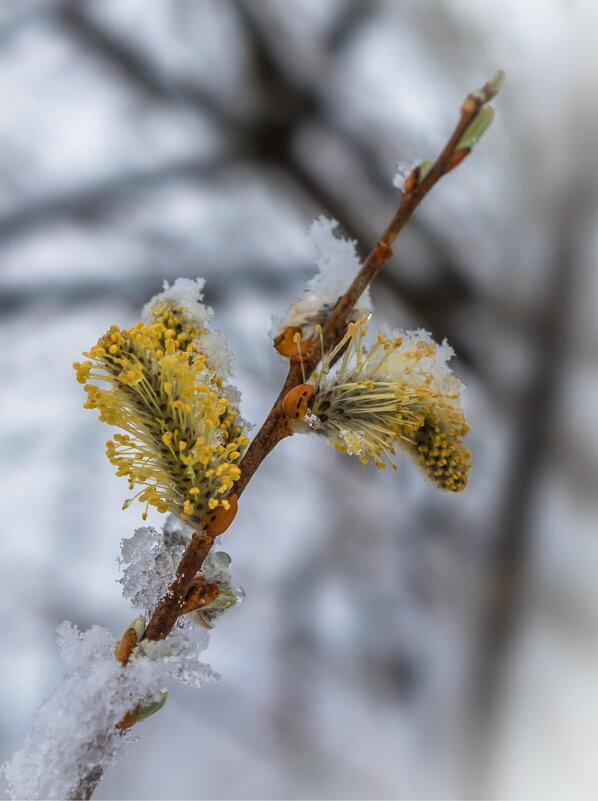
(200, 593)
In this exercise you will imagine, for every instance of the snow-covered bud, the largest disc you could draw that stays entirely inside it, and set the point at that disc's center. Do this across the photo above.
(130, 639)
(338, 262)
(150, 707)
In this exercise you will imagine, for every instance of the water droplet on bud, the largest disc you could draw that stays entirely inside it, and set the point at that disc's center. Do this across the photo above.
(239, 594)
(221, 559)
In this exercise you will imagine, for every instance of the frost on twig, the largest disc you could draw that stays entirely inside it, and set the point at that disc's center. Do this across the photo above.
(150, 559)
(74, 734)
(149, 565)
(75, 737)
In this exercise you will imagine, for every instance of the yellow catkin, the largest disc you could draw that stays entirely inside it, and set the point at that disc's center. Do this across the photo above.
(393, 395)
(183, 436)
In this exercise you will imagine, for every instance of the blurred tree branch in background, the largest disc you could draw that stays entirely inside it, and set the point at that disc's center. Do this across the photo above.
(192, 138)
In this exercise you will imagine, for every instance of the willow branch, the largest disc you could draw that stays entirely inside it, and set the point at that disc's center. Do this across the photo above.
(276, 426)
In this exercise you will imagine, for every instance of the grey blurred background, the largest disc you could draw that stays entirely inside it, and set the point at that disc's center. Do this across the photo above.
(395, 642)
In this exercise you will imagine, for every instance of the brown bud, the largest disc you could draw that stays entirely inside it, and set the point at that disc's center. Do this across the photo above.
(456, 158)
(128, 719)
(295, 402)
(124, 647)
(220, 519)
(200, 593)
(411, 181)
(288, 345)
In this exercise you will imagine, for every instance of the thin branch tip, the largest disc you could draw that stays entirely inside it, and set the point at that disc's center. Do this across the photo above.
(276, 426)
(495, 83)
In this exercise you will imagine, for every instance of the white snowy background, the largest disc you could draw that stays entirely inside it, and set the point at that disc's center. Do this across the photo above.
(395, 642)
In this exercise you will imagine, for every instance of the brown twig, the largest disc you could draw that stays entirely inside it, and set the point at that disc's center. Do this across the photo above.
(276, 426)
(169, 608)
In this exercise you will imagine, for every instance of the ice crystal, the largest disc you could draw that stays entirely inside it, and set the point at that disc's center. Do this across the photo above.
(178, 654)
(149, 567)
(175, 532)
(150, 560)
(338, 262)
(73, 734)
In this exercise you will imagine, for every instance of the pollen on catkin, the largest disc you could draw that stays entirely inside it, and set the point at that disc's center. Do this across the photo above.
(183, 435)
(395, 394)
